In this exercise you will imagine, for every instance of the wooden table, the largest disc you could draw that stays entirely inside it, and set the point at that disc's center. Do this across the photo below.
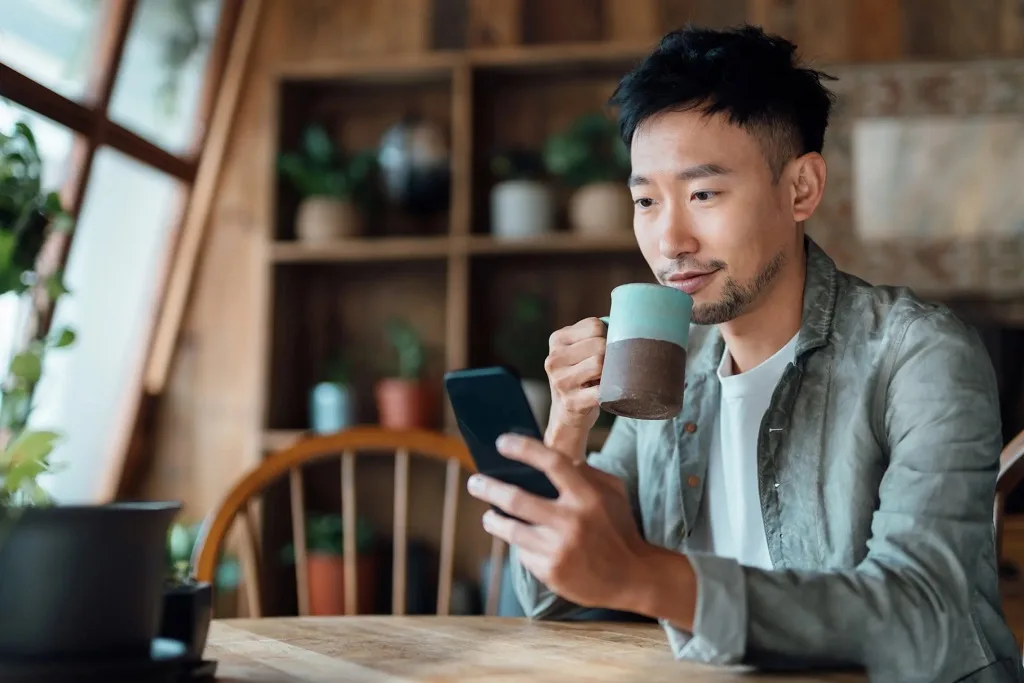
(455, 650)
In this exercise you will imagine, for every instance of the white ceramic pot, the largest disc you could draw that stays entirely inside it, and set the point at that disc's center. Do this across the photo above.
(538, 395)
(601, 210)
(521, 208)
(323, 219)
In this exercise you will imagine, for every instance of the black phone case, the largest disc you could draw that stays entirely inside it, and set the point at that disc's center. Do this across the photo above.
(488, 402)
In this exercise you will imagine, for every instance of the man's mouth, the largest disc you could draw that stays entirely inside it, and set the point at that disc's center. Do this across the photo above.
(690, 281)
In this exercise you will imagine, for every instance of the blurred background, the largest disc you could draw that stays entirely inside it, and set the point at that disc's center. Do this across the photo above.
(292, 216)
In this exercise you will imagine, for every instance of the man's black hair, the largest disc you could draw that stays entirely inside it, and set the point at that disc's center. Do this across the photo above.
(743, 73)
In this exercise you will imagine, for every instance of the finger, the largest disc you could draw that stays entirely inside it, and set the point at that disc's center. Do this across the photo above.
(582, 374)
(582, 400)
(513, 500)
(571, 354)
(560, 470)
(588, 327)
(524, 536)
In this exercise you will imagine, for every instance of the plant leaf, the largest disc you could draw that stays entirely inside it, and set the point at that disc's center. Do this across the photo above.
(30, 446)
(65, 337)
(55, 286)
(27, 366)
(23, 129)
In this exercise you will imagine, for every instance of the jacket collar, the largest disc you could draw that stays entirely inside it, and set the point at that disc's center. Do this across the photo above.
(820, 292)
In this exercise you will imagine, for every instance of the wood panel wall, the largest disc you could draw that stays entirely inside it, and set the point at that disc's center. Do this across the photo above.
(206, 430)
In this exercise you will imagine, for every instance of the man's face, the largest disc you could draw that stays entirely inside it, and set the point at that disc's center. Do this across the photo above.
(708, 217)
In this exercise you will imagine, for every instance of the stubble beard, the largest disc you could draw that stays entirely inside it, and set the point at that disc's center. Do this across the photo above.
(737, 297)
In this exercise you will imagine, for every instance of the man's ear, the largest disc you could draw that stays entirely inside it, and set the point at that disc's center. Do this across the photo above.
(807, 175)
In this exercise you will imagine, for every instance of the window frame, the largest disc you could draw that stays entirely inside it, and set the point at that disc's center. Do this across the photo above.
(89, 119)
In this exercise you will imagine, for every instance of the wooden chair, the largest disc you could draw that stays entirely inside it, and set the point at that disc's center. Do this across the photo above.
(241, 499)
(1011, 474)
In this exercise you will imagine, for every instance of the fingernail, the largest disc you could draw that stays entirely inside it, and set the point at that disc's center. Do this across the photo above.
(506, 441)
(488, 519)
(475, 483)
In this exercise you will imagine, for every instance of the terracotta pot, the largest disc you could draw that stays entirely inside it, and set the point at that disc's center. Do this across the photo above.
(326, 573)
(323, 219)
(403, 404)
(601, 210)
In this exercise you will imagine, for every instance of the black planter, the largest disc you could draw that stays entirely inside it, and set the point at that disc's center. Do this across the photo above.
(83, 581)
(188, 609)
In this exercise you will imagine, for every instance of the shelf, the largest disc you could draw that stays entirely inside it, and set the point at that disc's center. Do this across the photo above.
(556, 243)
(362, 249)
(414, 66)
(432, 248)
(279, 439)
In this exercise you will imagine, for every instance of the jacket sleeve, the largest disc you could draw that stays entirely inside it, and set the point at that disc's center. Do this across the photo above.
(897, 613)
(617, 457)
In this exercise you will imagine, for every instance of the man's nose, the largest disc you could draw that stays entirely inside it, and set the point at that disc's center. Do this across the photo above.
(676, 234)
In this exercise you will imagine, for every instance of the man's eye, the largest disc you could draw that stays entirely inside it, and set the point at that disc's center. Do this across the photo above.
(704, 195)
(643, 202)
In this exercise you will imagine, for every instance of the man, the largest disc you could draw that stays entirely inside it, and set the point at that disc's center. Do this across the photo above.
(825, 496)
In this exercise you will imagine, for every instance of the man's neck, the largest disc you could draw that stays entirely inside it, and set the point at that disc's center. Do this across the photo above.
(759, 333)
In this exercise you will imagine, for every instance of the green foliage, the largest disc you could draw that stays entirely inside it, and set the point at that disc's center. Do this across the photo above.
(408, 348)
(181, 541)
(319, 169)
(27, 215)
(522, 340)
(517, 164)
(326, 534)
(27, 212)
(339, 371)
(589, 151)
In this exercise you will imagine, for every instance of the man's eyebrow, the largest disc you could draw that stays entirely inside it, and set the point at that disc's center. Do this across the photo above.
(687, 174)
(702, 171)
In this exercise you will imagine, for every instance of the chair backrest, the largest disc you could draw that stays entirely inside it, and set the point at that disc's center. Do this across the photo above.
(1011, 473)
(240, 502)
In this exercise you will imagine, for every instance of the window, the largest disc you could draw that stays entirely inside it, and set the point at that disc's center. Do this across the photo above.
(113, 272)
(125, 153)
(160, 82)
(51, 41)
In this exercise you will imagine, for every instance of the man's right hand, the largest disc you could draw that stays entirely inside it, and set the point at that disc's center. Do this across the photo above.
(574, 363)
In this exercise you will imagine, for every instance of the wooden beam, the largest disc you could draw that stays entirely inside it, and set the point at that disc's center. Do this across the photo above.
(197, 215)
(214, 126)
(80, 118)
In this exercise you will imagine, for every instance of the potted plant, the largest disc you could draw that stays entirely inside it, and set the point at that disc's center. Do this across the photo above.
(332, 406)
(325, 564)
(403, 400)
(57, 599)
(188, 604)
(334, 187)
(522, 343)
(522, 203)
(591, 158)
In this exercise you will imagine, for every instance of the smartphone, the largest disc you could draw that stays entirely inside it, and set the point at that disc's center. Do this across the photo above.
(487, 403)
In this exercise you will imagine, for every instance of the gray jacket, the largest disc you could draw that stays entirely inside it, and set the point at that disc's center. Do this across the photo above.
(877, 462)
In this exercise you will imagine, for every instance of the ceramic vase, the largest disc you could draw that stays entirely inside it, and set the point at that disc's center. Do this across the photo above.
(601, 210)
(521, 209)
(325, 219)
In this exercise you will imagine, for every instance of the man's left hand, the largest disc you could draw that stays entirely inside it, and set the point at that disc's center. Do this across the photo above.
(584, 545)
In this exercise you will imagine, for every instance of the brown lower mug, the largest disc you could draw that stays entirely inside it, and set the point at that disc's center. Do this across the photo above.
(643, 379)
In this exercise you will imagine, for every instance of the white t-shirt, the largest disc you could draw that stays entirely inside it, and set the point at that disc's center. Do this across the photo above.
(730, 523)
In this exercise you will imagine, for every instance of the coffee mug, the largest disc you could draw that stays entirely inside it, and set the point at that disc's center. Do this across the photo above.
(645, 355)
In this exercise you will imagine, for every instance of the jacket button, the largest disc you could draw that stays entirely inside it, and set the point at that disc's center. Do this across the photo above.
(693, 480)
(690, 427)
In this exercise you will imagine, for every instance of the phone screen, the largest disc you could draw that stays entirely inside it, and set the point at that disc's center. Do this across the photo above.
(487, 403)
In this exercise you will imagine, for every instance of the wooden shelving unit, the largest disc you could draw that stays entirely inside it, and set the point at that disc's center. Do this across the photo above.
(447, 275)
